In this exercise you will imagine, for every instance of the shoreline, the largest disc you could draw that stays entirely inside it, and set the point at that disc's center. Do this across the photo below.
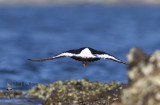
(67, 92)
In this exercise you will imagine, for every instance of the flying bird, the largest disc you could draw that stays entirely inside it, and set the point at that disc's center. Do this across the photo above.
(8, 88)
(85, 54)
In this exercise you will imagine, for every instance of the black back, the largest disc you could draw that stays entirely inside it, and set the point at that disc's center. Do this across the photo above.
(93, 51)
(76, 51)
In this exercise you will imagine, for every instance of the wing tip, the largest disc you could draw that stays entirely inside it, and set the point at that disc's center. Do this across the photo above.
(124, 62)
(120, 61)
(29, 59)
(34, 60)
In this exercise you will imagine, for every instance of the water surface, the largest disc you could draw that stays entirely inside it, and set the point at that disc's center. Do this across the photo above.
(40, 32)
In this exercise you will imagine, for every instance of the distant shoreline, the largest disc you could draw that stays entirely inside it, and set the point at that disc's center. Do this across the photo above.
(78, 2)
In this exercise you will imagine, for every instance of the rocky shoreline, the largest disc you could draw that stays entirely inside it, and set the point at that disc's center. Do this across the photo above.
(72, 92)
(77, 92)
(142, 89)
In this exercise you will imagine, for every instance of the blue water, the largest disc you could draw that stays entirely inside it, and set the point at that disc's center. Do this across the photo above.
(20, 101)
(40, 32)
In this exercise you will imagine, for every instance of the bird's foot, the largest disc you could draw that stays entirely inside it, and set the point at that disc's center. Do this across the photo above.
(84, 63)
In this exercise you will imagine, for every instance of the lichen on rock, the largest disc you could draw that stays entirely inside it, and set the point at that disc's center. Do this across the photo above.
(144, 79)
(11, 94)
(77, 92)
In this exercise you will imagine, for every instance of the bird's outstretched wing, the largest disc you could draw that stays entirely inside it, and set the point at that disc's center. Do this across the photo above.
(65, 54)
(107, 56)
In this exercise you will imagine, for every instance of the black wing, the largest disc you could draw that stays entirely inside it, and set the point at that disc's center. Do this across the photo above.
(107, 56)
(65, 54)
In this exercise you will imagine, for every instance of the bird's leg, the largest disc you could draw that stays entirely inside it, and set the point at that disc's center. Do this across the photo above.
(83, 63)
(86, 63)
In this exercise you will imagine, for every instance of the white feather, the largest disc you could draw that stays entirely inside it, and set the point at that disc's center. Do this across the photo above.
(86, 53)
(66, 54)
(106, 56)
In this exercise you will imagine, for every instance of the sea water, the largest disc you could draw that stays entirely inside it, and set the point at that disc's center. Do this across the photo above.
(40, 32)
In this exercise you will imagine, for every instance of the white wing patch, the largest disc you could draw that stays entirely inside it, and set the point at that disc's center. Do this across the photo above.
(106, 56)
(66, 54)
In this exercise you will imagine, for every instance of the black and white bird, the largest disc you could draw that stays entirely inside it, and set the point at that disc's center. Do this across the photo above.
(85, 54)
(8, 88)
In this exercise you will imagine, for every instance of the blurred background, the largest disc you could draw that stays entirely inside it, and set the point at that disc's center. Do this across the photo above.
(43, 28)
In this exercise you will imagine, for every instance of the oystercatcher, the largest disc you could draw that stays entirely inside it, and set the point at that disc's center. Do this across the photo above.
(8, 88)
(85, 54)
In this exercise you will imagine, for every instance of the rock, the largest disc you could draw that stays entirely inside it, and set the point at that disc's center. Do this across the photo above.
(77, 92)
(11, 94)
(144, 79)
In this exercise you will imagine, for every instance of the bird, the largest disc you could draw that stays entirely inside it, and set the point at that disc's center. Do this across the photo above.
(84, 54)
(8, 88)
